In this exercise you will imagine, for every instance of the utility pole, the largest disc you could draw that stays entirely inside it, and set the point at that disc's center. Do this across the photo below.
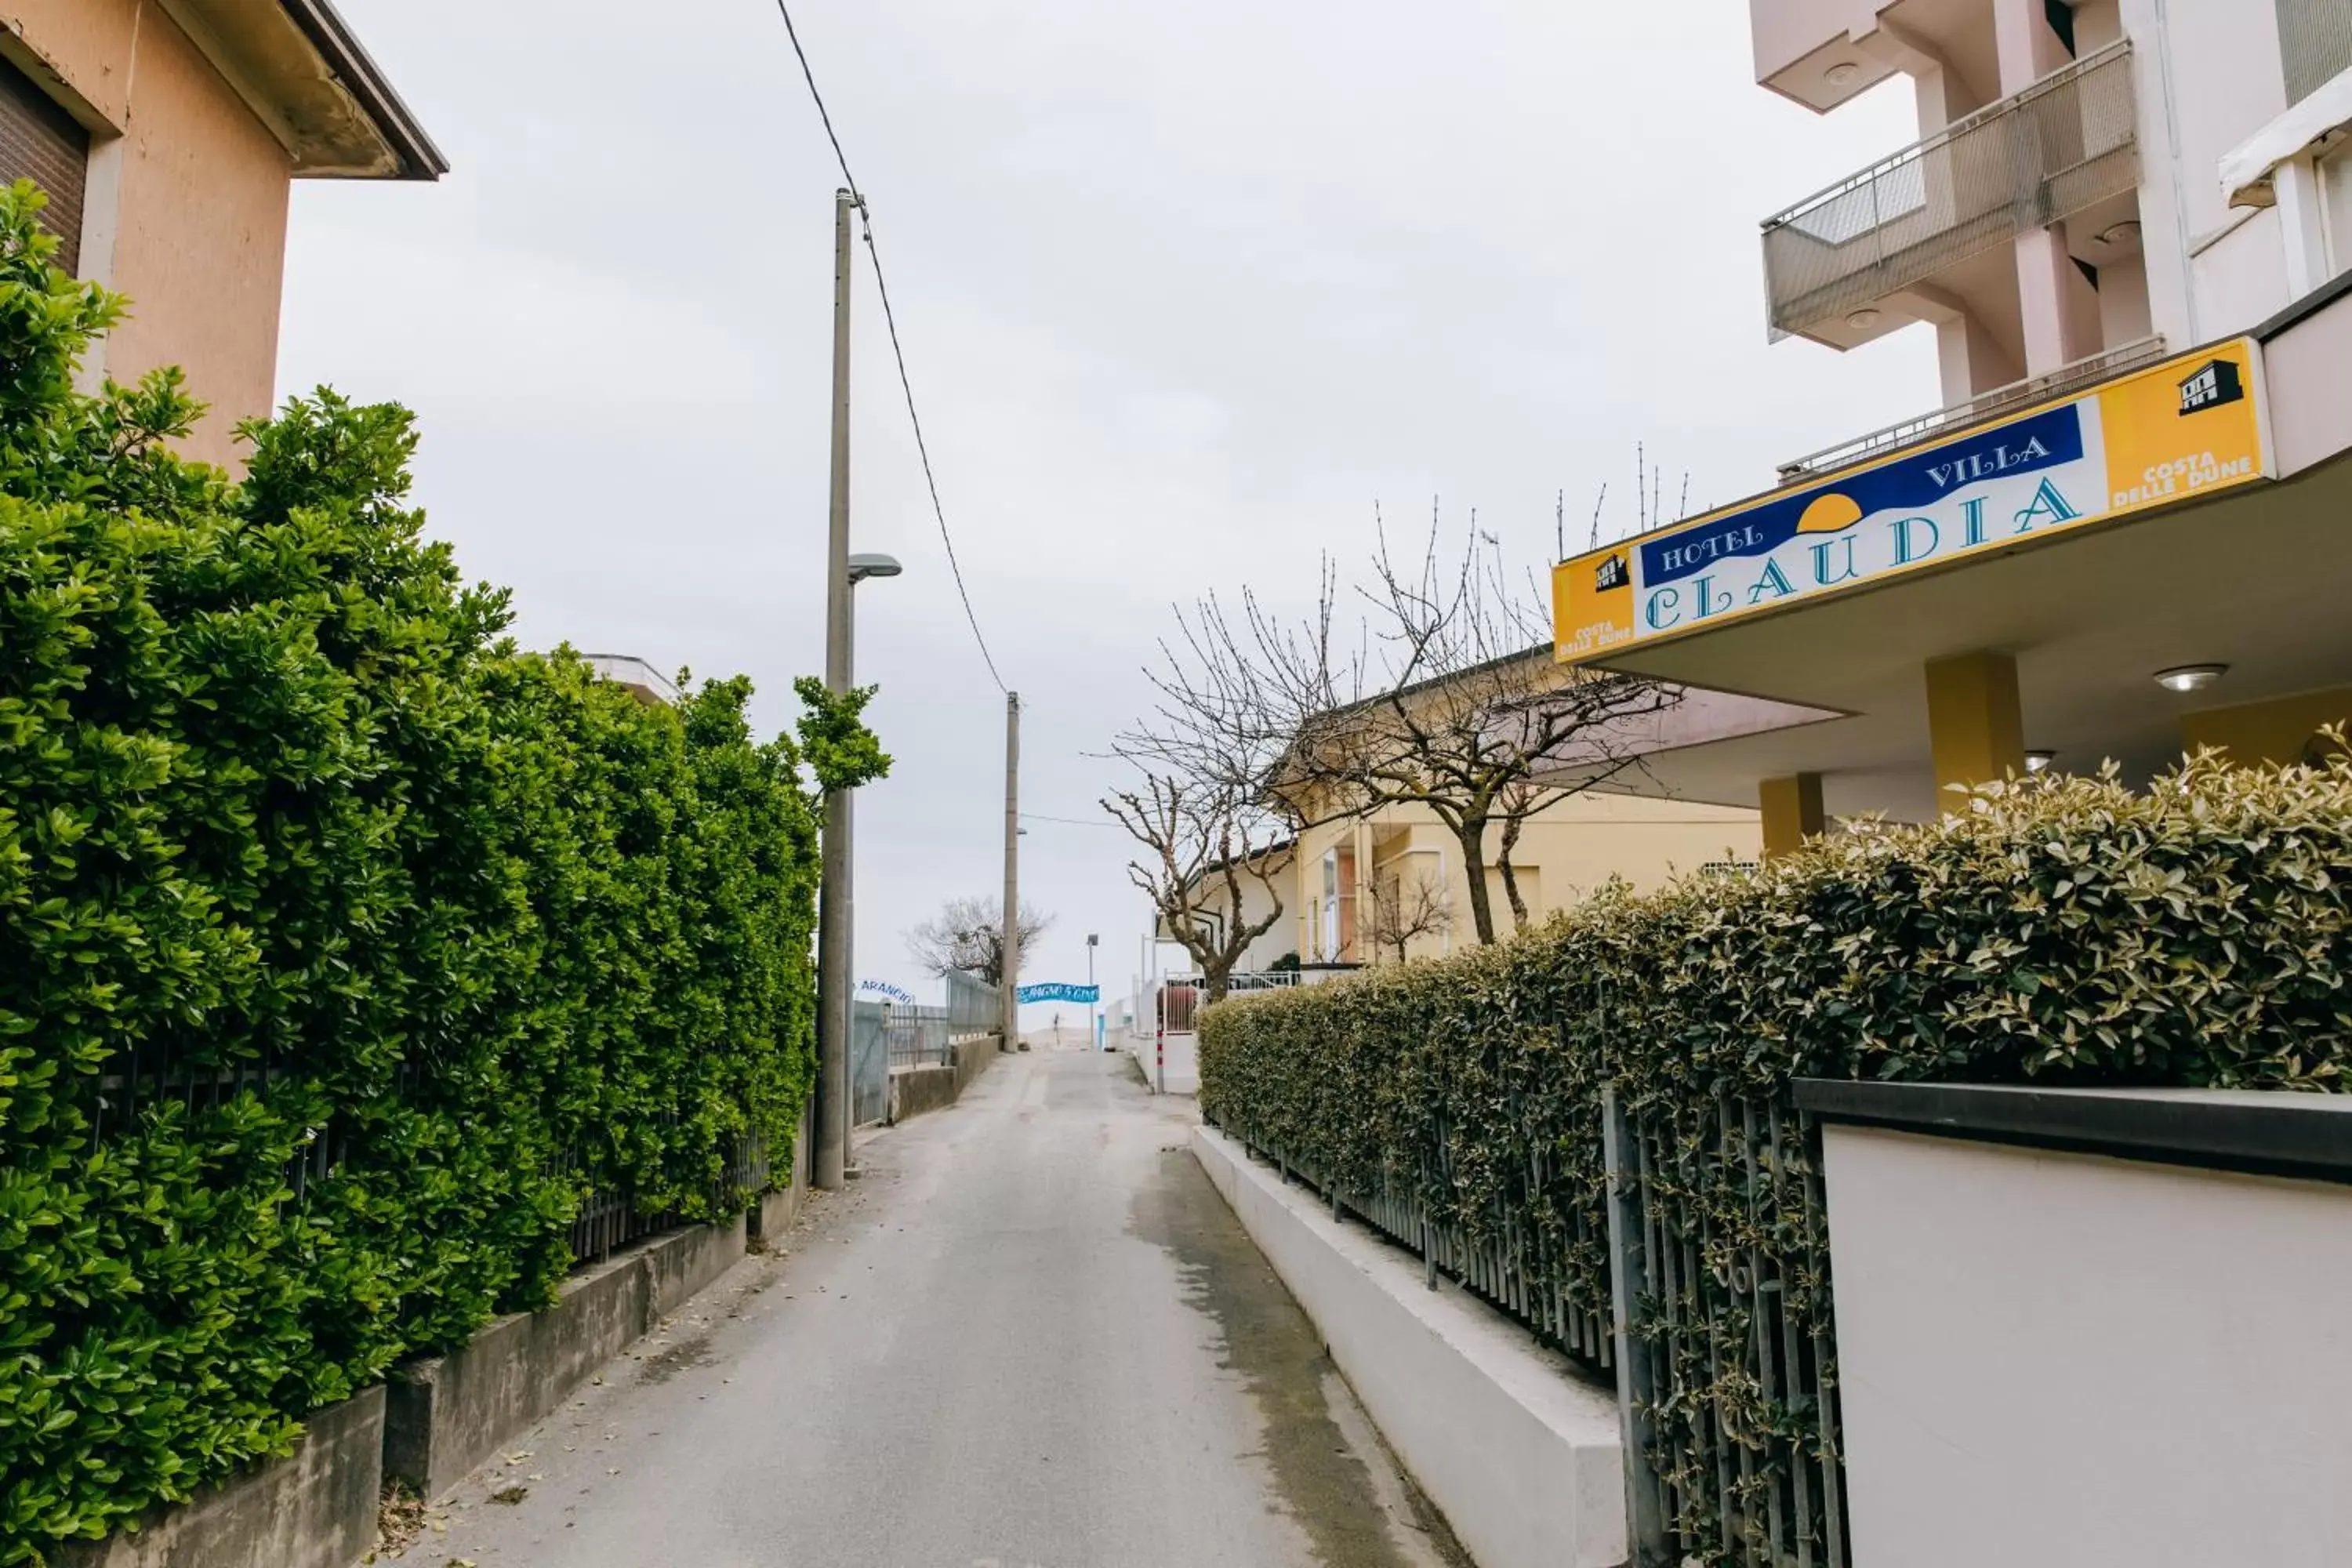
(1010, 975)
(834, 926)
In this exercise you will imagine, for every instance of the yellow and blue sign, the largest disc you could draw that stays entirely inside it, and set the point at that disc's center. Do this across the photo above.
(2190, 427)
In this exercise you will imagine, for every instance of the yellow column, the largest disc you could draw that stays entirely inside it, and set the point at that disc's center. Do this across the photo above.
(1792, 812)
(1974, 728)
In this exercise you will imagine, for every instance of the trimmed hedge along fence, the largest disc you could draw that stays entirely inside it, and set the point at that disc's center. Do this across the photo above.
(345, 950)
(2067, 932)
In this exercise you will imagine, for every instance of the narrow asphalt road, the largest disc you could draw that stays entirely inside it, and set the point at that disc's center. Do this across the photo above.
(1032, 1337)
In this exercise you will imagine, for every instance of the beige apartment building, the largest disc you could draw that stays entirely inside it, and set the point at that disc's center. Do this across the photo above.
(1360, 888)
(1392, 884)
(168, 133)
(2127, 224)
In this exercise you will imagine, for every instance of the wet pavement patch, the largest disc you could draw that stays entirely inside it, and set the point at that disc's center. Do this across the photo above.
(671, 1360)
(1273, 1347)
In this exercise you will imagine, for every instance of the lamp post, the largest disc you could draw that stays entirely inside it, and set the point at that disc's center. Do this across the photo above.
(1093, 1008)
(836, 897)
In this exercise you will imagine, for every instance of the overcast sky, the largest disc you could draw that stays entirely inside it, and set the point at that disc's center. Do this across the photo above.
(1184, 290)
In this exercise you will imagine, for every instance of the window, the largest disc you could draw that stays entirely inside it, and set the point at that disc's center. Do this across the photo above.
(2314, 43)
(41, 143)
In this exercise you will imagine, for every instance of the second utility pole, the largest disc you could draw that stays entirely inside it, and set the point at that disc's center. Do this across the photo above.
(834, 926)
(1009, 969)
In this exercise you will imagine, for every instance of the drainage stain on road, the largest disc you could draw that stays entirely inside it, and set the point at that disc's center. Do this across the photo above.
(1332, 1493)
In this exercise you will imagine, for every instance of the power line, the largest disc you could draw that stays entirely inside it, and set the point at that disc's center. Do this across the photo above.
(897, 352)
(1064, 821)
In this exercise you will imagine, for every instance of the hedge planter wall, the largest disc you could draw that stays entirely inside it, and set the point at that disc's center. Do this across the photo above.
(2060, 930)
(344, 948)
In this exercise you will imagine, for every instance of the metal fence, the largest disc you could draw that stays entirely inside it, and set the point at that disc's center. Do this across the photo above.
(1688, 1262)
(1173, 1002)
(1719, 1275)
(2062, 144)
(609, 1217)
(918, 1037)
(974, 1008)
(869, 1064)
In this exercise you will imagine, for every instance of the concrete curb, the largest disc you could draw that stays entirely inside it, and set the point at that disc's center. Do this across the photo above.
(448, 1413)
(1521, 1455)
(316, 1509)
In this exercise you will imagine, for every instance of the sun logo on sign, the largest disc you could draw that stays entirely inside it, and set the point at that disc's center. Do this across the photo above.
(1830, 515)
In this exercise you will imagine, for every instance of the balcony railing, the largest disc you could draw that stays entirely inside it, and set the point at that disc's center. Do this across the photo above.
(2017, 395)
(2062, 144)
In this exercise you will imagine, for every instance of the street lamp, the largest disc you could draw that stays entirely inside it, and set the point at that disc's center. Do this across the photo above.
(1093, 1008)
(836, 895)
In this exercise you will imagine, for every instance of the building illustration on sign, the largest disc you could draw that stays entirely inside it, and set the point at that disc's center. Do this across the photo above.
(2000, 486)
(2214, 385)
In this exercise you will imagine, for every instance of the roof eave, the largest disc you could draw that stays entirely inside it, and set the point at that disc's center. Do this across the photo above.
(351, 66)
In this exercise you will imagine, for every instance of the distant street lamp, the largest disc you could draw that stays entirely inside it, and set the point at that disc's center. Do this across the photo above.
(1093, 1008)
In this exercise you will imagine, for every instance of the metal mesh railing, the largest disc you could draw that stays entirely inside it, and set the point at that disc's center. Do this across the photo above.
(2016, 395)
(2063, 143)
(2314, 44)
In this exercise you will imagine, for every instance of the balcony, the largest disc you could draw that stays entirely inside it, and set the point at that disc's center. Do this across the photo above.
(2013, 398)
(2063, 144)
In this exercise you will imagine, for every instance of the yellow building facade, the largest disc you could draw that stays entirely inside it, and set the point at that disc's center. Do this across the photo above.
(1360, 887)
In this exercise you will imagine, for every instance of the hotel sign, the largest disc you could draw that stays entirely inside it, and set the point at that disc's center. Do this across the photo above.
(2189, 427)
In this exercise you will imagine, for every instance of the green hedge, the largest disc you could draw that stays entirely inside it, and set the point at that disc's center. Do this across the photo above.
(2060, 931)
(453, 931)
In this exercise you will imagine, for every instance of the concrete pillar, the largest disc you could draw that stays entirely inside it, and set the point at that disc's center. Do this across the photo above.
(1970, 358)
(1976, 730)
(2025, 47)
(1792, 812)
(2059, 309)
(2302, 225)
(2056, 304)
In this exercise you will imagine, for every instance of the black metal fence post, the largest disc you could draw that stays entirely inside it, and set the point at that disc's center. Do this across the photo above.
(1628, 1283)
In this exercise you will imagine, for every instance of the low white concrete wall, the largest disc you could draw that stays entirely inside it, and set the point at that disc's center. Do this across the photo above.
(2048, 1360)
(1183, 1063)
(1521, 1456)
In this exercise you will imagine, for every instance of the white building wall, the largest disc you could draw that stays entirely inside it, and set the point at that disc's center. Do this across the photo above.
(2054, 1361)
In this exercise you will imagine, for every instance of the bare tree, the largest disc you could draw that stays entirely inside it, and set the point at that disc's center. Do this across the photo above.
(1205, 843)
(967, 936)
(1403, 910)
(1449, 702)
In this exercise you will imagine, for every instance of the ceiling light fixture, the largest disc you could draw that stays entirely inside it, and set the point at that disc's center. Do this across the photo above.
(2124, 232)
(1843, 73)
(2191, 676)
(1862, 321)
(2035, 761)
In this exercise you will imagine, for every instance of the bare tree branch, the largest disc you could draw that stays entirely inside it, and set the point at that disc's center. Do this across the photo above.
(1452, 705)
(1205, 842)
(1403, 910)
(968, 936)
